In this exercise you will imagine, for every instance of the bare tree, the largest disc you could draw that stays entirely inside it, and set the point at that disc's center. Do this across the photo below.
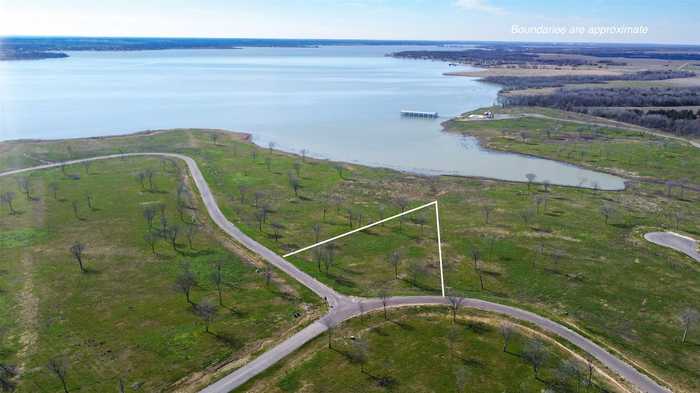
(507, 332)
(90, 201)
(242, 192)
(339, 168)
(607, 211)
(317, 231)
(360, 352)
(217, 278)
(476, 257)
(304, 153)
(688, 318)
(7, 198)
(271, 146)
(330, 325)
(268, 274)
(258, 197)
(260, 218)
(59, 368)
(384, 296)
(86, 165)
(297, 168)
(207, 312)
(141, 177)
(402, 203)
(277, 228)
(185, 282)
(455, 301)
(527, 215)
(172, 234)
(53, 187)
(530, 179)
(268, 163)
(77, 250)
(570, 370)
(151, 241)
(149, 214)
(25, 186)
(487, 210)
(148, 173)
(420, 220)
(214, 138)
(190, 233)
(395, 260)
(535, 354)
(76, 209)
(415, 269)
(295, 184)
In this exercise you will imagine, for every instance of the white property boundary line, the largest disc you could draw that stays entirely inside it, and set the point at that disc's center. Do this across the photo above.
(437, 222)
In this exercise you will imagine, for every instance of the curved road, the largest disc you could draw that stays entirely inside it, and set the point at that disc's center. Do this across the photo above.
(344, 307)
(684, 244)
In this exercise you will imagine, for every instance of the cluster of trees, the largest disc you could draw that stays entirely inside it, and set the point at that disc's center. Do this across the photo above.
(525, 82)
(611, 103)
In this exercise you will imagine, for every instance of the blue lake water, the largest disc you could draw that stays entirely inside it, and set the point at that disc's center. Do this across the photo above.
(339, 102)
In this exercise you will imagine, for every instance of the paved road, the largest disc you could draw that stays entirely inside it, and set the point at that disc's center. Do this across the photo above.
(675, 241)
(343, 307)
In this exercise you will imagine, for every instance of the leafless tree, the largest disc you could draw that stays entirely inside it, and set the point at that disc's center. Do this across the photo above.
(242, 192)
(688, 318)
(361, 308)
(76, 209)
(455, 301)
(141, 177)
(190, 233)
(268, 274)
(149, 214)
(420, 220)
(148, 173)
(7, 198)
(214, 138)
(507, 332)
(546, 184)
(415, 269)
(185, 282)
(217, 278)
(539, 200)
(86, 165)
(360, 352)
(260, 218)
(607, 211)
(395, 260)
(330, 325)
(535, 354)
(25, 186)
(402, 203)
(297, 168)
(339, 168)
(258, 196)
(89, 198)
(172, 233)
(277, 228)
(207, 312)
(271, 146)
(7, 375)
(59, 368)
(53, 187)
(268, 163)
(527, 215)
(317, 231)
(384, 296)
(151, 240)
(77, 250)
(487, 210)
(304, 152)
(530, 179)
(570, 370)
(295, 184)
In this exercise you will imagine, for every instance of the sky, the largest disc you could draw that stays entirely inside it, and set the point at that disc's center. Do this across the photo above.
(495, 20)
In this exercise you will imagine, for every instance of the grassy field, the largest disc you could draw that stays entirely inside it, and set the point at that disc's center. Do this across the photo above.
(466, 356)
(629, 153)
(122, 318)
(552, 251)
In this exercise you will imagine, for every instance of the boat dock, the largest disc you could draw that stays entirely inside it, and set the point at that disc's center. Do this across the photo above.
(431, 115)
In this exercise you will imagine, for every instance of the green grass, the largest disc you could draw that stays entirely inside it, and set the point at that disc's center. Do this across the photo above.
(624, 152)
(565, 262)
(123, 318)
(412, 352)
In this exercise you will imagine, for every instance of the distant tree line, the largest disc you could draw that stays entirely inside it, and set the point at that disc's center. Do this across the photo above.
(611, 103)
(526, 82)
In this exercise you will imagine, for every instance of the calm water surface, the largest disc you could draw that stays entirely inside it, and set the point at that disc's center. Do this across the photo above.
(340, 103)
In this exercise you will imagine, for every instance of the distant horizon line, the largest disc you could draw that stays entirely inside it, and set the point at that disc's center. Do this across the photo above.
(396, 40)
